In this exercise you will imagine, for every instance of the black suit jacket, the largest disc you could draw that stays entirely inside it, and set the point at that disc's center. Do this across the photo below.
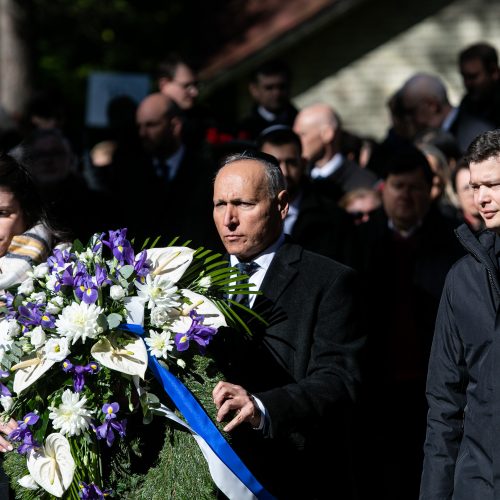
(323, 227)
(347, 177)
(303, 367)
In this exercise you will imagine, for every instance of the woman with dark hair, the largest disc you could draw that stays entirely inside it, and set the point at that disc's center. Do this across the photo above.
(25, 234)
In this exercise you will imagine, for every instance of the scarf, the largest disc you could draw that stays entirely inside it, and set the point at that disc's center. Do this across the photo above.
(25, 250)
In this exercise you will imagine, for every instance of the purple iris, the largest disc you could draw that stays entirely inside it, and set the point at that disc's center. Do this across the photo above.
(92, 492)
(79, 372)
(23, 433)
(58, 259)
(140, 265)
(87, 291)
(110, 424)
(4, 391)
(120, 246)
(198, 332)
(101, 277)
(30, 314)
(8, 300)
(33, 315)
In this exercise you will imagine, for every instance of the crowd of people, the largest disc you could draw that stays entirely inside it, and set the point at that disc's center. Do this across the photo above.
(351, 240)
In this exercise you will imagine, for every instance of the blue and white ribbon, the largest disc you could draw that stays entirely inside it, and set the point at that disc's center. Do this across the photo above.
(228, 472)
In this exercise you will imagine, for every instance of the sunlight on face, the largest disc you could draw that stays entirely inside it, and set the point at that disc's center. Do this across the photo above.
(11, 219)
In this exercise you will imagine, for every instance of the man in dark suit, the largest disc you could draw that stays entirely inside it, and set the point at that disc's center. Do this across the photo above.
(313, 220)
(320, 131)
(166, 183)
(290, 384)
(425, 102)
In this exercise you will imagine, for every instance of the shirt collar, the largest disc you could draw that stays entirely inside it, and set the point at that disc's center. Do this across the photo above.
(450, 118)
(328, 168)
(265, 258)
(404, 234)
(266, 114)
(174, 160)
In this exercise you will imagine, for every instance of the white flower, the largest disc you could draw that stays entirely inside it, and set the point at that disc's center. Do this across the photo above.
(71, 416)
(41, 270)
(7, 402)
(52, 466)
(28, 482)
(38, 298)
(205, 282)
(159, 291)
(52, 282)
(38, 337)
(56, 349)
(159, 343)
(6, 337)
(162, 315)
(116, 292)
(14, 328)
(79, 321)
(26, 287)
(181, 363)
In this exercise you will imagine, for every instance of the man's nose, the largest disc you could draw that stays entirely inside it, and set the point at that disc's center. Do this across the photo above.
(483, 195)
(230, 216)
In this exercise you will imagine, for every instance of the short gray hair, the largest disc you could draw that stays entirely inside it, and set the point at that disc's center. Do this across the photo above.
(275, 179)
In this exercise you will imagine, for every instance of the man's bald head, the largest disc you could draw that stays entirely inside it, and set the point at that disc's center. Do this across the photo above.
(318, 127)
(425, 101)
(159, 124)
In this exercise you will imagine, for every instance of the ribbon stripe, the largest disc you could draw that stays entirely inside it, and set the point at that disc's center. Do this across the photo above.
(201, 424)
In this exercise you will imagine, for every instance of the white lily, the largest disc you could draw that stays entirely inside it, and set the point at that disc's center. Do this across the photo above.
(202, 305)
(170, 261)
(29, 371)
(52, 466)
(131, 358)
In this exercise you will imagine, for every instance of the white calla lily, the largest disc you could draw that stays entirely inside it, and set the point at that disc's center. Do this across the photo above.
(29, 371)
(130, 358)
(170, 261)
(203, 306)
(28, 482)
(52, 466)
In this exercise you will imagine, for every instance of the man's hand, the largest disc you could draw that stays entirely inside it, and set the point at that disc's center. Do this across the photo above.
(6, 428)
(233, 398)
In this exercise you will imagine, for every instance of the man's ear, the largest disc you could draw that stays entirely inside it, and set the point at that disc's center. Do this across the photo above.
(162, 82)
(253, 88)
(176, 126)
(283, 203)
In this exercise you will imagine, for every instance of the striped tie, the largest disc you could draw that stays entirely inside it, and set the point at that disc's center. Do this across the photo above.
(247, 268)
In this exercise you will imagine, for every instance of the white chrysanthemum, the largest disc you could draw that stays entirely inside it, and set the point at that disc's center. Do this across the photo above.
(79, 321)
(56, 349)
(71, 416)
(161, 316)
(158, 291)
(159, 343)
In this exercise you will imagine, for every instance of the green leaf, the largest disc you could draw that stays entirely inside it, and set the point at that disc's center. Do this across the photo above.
(114, 320)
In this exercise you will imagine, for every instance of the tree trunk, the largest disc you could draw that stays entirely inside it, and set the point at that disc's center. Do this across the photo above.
(15, 67)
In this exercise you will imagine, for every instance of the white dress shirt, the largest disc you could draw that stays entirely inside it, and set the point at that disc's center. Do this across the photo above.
(328, 168)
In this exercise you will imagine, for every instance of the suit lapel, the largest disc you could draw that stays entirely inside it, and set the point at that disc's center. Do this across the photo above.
(281, 271)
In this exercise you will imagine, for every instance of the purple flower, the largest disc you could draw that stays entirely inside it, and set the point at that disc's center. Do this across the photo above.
(92, 492)
(101, 277)
(4, 391)
(30, 314)
(47, 320)
(23, 433)
(79, 372)
(87, 291)
(107, 429)
(198, 332)
(120, 246)
(28, 443)
(58, 259)
(140, 266)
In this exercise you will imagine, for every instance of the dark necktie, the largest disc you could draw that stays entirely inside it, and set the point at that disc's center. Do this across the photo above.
(247, 268)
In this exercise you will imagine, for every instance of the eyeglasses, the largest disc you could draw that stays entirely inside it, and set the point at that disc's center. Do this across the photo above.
(195, 85)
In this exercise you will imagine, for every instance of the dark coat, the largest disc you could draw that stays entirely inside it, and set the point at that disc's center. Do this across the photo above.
(462, 454)
(253, 124)
(323, 227)
(466, 127)
(347, 177)
(402, 280)
(304, 369)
